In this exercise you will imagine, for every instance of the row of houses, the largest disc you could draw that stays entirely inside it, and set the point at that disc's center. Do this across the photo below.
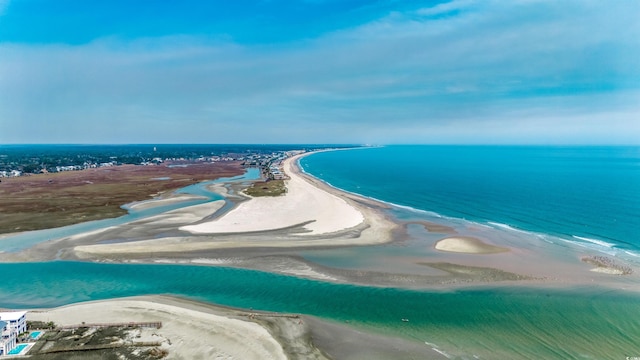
(12, 173)
(12, 324)
(276, 173)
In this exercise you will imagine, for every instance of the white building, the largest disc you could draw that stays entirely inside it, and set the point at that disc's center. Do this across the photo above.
(17, 320)
(9, 337)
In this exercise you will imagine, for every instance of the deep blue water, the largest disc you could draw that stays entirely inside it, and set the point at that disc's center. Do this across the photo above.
(592, 193)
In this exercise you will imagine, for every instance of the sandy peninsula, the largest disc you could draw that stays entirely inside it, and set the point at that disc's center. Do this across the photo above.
(310, 214)
(320, 211)
(188, 331)
(194, 330)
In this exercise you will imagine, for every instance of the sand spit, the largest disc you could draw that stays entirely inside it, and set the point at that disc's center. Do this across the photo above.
(188, 331)
(184, 215)
(467, 245)
(320, 211)
(194, 330)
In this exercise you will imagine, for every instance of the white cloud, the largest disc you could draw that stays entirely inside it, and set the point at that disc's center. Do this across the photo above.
(501, 66)
(446, 8)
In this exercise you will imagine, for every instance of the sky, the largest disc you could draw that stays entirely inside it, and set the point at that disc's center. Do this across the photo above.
(320, 71)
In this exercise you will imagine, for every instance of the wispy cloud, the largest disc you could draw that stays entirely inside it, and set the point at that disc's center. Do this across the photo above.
(454, 72)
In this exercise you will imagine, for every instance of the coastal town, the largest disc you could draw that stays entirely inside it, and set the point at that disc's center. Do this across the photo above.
(18, 161)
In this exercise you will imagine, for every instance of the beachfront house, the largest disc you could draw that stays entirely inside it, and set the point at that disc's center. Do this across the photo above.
(17, 320)
(9, 338)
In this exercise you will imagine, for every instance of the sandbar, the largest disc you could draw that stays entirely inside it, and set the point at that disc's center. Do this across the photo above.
(170, 200)
(468, 245)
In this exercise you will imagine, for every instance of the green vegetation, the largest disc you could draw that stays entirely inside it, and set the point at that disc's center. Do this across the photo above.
(267, 188)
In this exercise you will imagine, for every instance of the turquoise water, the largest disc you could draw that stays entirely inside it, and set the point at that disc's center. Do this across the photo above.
(16, 350)
(34, 335)
(583, 194)
(494, 323)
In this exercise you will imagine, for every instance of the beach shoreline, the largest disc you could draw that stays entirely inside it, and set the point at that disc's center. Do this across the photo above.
(189, 329)
(275, 244)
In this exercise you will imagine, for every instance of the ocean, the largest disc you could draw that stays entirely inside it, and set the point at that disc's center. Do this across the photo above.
(580, 194)
(575, 194)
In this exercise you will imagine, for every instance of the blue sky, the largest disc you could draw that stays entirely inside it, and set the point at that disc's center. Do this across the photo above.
(320, 71)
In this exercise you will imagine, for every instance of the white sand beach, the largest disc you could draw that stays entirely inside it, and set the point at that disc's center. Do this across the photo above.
(303, 203)
(187, 332)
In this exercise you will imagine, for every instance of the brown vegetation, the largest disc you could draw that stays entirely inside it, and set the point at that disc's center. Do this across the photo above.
(52, 200)
(112, 342)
